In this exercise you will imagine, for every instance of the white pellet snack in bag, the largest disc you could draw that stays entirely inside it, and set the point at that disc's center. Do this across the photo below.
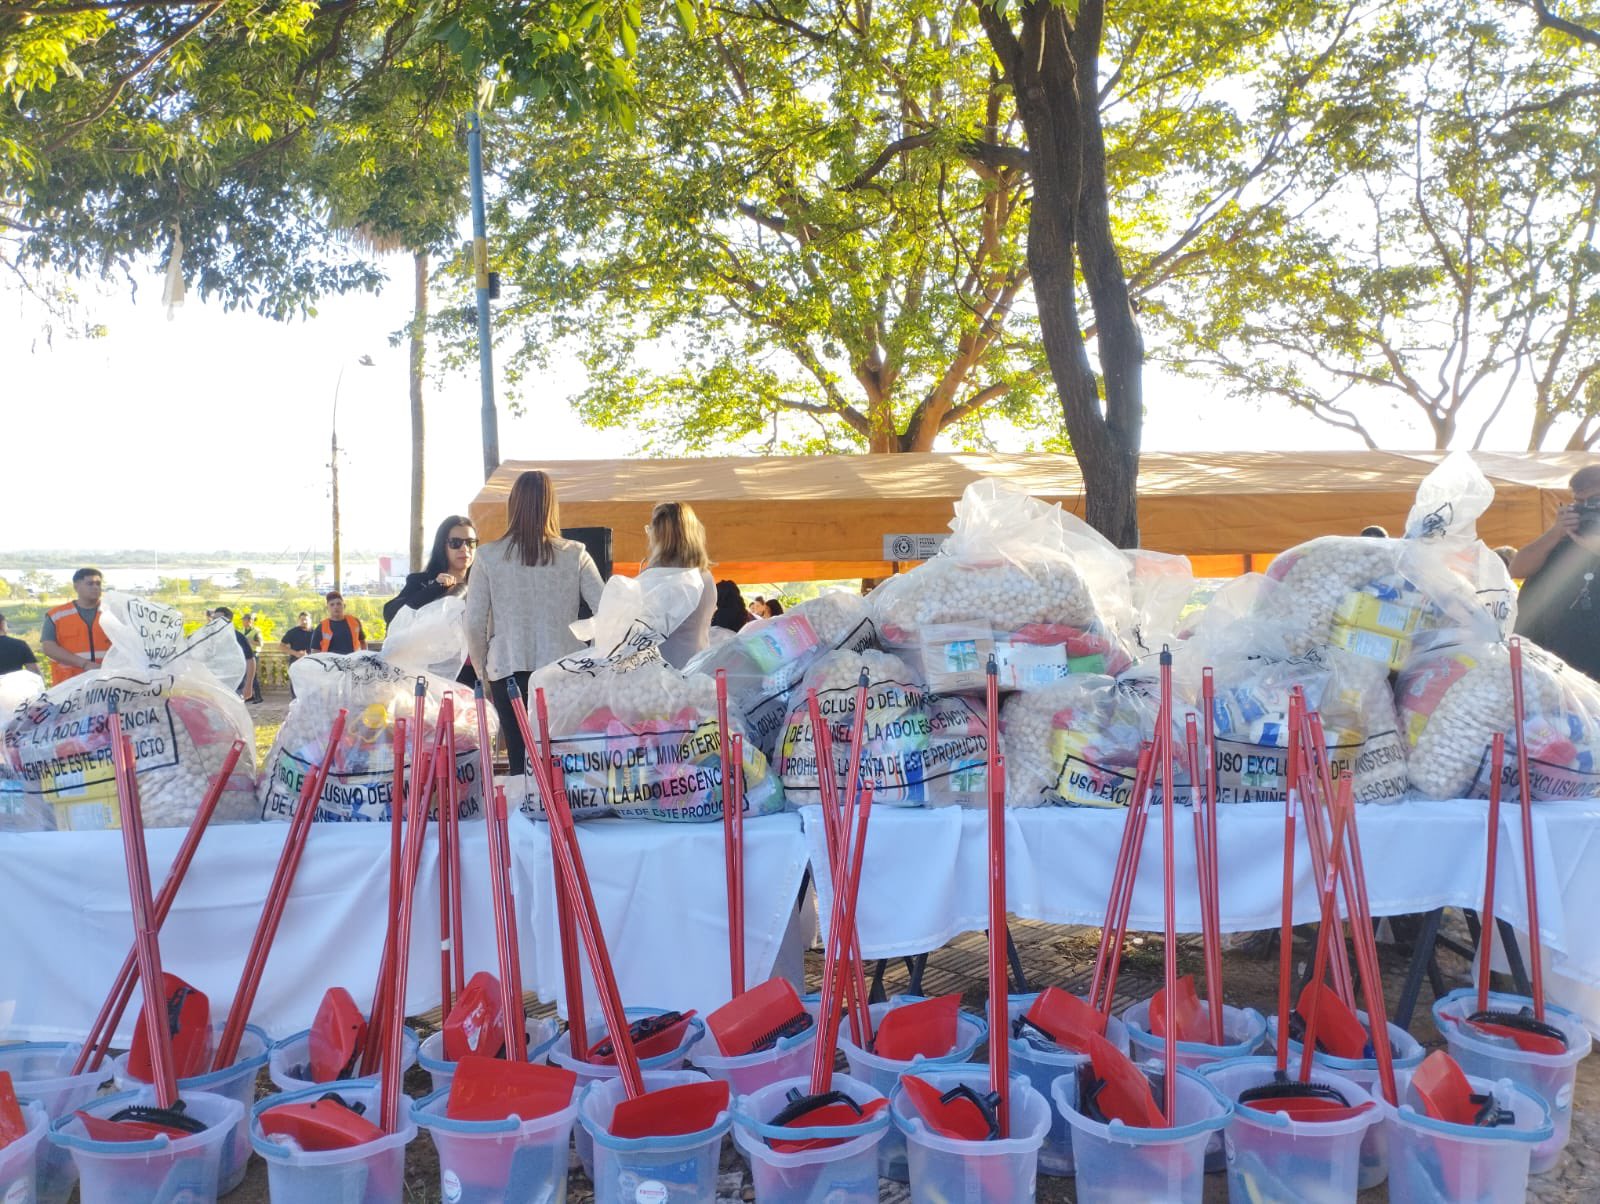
(178, 705)
(1453, 701)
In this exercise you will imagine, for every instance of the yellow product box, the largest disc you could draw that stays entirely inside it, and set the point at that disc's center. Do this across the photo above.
(1374, 614)
(1387, 649)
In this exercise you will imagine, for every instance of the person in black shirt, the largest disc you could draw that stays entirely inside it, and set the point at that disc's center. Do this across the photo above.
(1559, 607)
(14, 654)
(455, 547)
(298, 638)
(248, 681)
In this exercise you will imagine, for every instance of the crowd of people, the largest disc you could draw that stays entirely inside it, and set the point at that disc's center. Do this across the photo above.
(526, 587)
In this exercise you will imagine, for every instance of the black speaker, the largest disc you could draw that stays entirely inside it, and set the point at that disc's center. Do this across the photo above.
(598, 541)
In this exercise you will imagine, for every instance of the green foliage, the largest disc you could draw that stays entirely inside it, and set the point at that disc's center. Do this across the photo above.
(808, 217)
(1434, 244)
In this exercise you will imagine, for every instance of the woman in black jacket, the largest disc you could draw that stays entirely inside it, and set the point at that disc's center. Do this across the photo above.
(455, 545)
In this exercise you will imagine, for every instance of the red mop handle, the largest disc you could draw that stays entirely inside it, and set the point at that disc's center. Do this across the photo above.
(733, 830)
(277, 898)
(98, 1041)
(1497, 764)
(1367, 957)
(394, 1025)
(146, 945)
(852, 787)
(827, 791)
(443, 775)
(374, 1043)
(730, 840)
(842, 921)
(1519, 716)
(569, 859)
(549, 780)
(1202, 870)
(458, 940)
(1314, 770)
(1143, 793)
(1286, 922)
(1330, 920)
(999, 1015)
(505, 915)
(1119, 871)
(1208, 700)
(1169, 902)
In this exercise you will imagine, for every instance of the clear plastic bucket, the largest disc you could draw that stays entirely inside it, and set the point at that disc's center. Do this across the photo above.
(1408, 1055)
(1274, 1157)
(1242, 1030)
(542, 1035)
(155, 1171)
(1434, 1162)
(660, 1170)
(1118, 1163)
(788, 1059)
(42, 1071)
(487, 1162)
(588, 1072)
(19, 1161)
(290, 1062)
(945, 1169)
(881, 1074)
(237, 1082)
(1042, 1067)
(846, 1173)
(1549, 1076)
(372, 1173)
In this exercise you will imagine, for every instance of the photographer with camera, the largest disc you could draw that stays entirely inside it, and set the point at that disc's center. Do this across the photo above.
(1559, 607)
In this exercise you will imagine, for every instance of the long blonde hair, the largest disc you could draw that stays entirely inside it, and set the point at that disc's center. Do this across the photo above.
(677, 538)
(533, 519)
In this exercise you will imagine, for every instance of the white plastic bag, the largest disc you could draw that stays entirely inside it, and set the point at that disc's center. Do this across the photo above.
(374, 694)
(181, 717)
(919, 749)
(1075, 742)
(429, 639)
(1017, 579)
(1453, 701)
(766, 660)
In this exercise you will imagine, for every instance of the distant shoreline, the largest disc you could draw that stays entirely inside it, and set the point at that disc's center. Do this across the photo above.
(144, 558)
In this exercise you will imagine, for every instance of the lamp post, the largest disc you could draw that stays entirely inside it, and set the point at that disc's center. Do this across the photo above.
(365, 361)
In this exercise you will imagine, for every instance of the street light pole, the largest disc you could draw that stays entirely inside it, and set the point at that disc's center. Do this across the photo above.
(333, 463)
(480, 273)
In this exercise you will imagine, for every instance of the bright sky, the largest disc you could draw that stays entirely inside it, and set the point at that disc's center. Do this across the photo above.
(211, 430)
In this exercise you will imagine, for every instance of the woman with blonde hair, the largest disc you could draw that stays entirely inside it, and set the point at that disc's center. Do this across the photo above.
(524, 598)
(677, 541)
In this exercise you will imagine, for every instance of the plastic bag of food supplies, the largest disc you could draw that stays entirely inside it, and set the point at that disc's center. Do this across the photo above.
(1018, 579)
(1255, 668)
(766, 659)
(21, 810)
(433, 637)
(919, 749)
(634, 736)
(1384, 598)
(1161, 587)
(374, 689)
(1453, 701)
(177, 698)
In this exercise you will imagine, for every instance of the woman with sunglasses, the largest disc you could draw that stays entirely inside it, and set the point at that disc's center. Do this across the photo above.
(455, 546)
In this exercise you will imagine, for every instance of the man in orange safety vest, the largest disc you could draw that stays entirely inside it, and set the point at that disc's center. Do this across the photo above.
(71, 636)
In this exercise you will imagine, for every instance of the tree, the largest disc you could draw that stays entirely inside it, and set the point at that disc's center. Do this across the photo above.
(811, 208)
(1454, 266)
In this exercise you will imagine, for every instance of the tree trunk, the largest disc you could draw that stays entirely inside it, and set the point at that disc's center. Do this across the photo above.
(419, 348)
(1069, 222)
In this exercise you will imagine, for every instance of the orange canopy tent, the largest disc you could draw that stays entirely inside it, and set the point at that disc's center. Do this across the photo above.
(797, 518)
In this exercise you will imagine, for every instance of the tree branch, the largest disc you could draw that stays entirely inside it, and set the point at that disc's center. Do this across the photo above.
(1548, 19)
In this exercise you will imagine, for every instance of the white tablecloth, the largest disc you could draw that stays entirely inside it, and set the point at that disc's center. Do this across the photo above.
(925, 879)
(659, 889)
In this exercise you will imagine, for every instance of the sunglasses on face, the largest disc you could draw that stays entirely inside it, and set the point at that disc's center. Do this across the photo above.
(456, 543)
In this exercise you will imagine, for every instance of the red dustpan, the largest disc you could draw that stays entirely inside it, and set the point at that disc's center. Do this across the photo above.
(1118, 1090)
(1192, 1023)
(1064, 1019)
(651, 1037)
(321, 1124)
(338, 1034)
(476, 1024)
(1444, 1093)
(188, 1014)
(960, 1113)
(758, 1019)
(12, 1124)
(1339, 1030)
(835, 1110)
(927, 1027)
(492, 1089)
